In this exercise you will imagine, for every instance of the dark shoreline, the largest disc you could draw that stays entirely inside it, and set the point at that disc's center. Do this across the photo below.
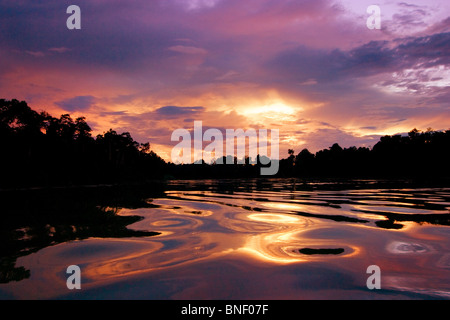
(297, 183)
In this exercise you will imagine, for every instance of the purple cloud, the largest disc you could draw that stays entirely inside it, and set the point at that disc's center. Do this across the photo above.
(76, 103)
(173, 111)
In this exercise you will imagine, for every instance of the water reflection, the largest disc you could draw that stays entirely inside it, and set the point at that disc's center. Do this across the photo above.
(205, 233)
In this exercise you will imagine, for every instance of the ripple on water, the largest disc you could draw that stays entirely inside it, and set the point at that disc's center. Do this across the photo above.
(444, 261)
(400, 247)
(90, 250)
(176, 222)
(289, 228)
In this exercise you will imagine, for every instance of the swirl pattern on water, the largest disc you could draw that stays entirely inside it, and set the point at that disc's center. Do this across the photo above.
(404, 231)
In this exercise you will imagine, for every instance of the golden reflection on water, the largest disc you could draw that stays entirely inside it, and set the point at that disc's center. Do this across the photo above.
(269, 246)
(281, 245)
(204, 227)
(285, 206)
(274, 218)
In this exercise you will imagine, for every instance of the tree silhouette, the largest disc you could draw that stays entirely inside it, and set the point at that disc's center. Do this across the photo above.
(42, 150)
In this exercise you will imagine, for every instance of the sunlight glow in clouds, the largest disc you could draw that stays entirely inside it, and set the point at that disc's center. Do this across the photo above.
(276, 111)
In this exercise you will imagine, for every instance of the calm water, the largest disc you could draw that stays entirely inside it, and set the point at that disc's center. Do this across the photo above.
(248, 240)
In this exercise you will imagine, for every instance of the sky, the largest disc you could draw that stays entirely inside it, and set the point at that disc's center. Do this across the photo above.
(310, 68)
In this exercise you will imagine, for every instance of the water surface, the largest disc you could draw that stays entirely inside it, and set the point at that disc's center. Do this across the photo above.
(275, 239)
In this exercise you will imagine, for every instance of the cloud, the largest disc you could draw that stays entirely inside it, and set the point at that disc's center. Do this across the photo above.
(188, 50)
(59, 50)
(429, 50)
(325, 138)
(38, 54)
(409, 18)
(440, 27)
(408, 5)
(76, 103)
(302, 64)
(173, 111)
(198, 4)
(309, 82)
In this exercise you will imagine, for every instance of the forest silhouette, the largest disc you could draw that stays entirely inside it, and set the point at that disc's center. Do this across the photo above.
(41, 150)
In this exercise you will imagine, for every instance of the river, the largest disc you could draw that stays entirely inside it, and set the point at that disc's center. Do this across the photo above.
(238, 239)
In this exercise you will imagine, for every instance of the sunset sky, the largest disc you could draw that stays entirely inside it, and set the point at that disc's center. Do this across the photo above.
(310, 68)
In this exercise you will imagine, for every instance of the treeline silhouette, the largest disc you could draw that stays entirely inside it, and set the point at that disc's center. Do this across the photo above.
(424, 155)
(40, 150)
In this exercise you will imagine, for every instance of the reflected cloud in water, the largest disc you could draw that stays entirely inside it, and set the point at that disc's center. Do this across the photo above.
(205, 233)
